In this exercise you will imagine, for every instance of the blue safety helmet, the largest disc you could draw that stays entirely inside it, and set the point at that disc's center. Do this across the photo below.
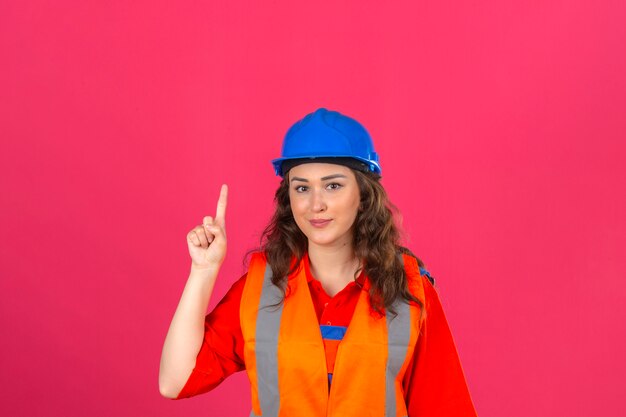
(327, 136)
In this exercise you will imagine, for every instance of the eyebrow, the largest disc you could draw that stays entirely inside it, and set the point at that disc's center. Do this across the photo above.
(329, 177)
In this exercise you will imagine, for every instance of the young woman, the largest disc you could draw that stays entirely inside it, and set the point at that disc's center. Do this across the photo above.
(334, 317)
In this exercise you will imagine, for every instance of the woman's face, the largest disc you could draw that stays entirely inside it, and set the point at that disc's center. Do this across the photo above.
(324, 201)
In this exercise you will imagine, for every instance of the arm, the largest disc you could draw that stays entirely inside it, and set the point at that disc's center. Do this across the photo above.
(221, 353)
(207, 249)
(434, 383)
(185, 333)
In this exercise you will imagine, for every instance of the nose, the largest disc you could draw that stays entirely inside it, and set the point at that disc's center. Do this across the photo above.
(318, 204)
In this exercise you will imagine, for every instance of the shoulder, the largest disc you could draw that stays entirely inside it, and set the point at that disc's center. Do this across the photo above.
(234, 293)
(415, 265)
(255, 275)
(424, 273)
(256, 255)
(255, 260)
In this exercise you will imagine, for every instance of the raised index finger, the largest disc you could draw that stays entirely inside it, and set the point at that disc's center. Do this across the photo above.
(220, 214)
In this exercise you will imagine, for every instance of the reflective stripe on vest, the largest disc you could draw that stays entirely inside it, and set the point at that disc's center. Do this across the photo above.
(285, 357)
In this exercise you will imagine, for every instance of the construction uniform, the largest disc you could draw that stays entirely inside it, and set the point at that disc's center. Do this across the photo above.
(315, 355)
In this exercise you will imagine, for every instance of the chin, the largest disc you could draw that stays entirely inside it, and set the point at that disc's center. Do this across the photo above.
(321, 240)
(325, 242)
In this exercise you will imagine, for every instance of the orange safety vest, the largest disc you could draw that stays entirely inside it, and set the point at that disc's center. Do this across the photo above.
(285, 357)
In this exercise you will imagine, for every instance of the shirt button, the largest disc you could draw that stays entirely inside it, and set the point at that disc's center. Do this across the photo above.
(328, 323)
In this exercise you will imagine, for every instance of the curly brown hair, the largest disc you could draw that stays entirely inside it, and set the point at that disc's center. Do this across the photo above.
(375, 241)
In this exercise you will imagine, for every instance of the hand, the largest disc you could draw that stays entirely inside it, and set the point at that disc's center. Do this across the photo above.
(207, 242)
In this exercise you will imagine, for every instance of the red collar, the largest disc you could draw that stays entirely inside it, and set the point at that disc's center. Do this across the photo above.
(361, 280)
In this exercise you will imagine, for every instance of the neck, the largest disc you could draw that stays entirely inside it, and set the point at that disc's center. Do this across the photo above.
(337, 263)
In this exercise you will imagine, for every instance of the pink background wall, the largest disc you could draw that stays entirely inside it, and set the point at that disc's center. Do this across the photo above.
(501, 130)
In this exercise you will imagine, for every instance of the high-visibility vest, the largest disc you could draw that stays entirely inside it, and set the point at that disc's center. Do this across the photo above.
(285, 358)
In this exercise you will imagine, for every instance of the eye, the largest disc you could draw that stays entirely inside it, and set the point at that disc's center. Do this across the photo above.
(334, 186)
(299, 188)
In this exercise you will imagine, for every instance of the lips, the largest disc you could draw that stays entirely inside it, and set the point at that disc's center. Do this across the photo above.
(320, 222)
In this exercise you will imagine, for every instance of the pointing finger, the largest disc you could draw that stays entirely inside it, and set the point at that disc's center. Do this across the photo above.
(220, 214)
